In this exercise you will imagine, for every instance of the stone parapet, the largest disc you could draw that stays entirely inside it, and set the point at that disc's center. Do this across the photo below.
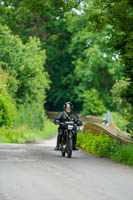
(114, 133)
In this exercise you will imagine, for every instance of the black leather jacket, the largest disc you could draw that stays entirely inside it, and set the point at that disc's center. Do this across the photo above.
(62, 117)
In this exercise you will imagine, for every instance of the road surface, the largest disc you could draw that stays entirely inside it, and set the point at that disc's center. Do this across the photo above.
(37, 172)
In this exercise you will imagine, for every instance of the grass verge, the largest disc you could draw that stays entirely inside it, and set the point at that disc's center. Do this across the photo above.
(24, 134)
(104, 146)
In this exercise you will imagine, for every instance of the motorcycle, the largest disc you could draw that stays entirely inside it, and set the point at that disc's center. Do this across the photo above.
(67, 139)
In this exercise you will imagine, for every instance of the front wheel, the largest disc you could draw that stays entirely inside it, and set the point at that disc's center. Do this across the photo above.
(63, 146)
(69, 148)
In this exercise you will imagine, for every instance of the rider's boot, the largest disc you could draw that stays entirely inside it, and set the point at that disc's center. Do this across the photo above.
(74, 142)
(75, 148)
(58, 147)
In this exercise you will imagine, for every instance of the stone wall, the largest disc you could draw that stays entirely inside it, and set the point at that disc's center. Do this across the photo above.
(51, 115)
(81, 117)
(114, 133)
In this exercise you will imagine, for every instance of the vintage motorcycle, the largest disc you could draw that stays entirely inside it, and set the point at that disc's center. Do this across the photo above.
(67, 139)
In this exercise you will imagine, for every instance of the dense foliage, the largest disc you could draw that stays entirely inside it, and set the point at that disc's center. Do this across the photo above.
(45, 20)
(87, 46)
(104, 146)
(92, 104)
(26, 81)
(8, 111)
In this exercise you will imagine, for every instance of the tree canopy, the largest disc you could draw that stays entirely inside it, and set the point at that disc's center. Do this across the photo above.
(84, 45)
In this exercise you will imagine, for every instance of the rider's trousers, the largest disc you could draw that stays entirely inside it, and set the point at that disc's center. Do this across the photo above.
(60, 133)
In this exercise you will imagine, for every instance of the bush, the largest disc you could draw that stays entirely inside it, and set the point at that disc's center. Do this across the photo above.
(122, 103)
(129, 128)
(100, 145)
(8, 111)
(104, 146)
(120, 121)
(124, 154)
(32, 115)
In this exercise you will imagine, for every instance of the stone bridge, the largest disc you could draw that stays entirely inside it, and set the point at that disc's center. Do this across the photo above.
(114, 133)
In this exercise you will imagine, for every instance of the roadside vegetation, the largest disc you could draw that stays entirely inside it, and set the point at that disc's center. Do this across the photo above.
(72, 50)
(23, 85)
(24, 134)
(104, 146)
(120, 121)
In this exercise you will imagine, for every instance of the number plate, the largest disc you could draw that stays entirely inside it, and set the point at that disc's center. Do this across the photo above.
(70, 127)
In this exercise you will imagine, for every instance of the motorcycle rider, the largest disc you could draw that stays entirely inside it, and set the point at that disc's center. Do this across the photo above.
(66, 115)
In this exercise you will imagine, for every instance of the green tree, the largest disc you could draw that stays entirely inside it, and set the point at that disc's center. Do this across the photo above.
(119, 15)
(122, 105)
(26, 64)
(97, 65)
(92, 105)
(80, 44)
(27, 82)
(45, 19)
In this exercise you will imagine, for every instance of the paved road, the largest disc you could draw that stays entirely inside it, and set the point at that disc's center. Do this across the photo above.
(37, 172)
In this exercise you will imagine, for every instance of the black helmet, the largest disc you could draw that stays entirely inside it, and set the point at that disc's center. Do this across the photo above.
(68, 104)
